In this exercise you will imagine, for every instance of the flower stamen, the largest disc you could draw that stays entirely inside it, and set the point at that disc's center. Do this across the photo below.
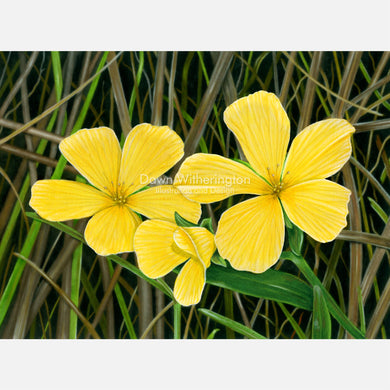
(277, 188)
(119, 199)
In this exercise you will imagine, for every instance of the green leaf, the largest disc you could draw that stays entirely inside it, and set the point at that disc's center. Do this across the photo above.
(295, 239)
(13, 281)
(294, 324)
(275, 285)
(234, 325)
(75, 288)
(322, 327)
(58, 225)
(180, 221)
(122, 305)
(378, 209)
(362, 316)
(206, 223)
(333, 308)
(176, 321)
(217, 259)
(212, 334)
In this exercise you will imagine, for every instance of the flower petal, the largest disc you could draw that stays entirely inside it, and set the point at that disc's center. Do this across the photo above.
(62, 200)
(203, 241)
(318, 207)
(189, 283)
(319, 151)
(153, 244)
(184, 242)
(148, 152)
(96, 154)
(208, 178)
(263, 130)
(161, 202)
(112, 230)
(251, 234)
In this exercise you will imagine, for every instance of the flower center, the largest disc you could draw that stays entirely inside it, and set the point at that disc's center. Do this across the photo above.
(275, 178)
(118, 196)
(277, 188)
(119, 199)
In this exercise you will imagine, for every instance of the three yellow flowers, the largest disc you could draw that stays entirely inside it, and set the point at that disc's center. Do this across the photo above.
(250, 234)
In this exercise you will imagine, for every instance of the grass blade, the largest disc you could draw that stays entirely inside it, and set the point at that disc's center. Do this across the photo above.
(230, 324)
(334, 309)
(75, 290)
(321, 318)
(274, 285)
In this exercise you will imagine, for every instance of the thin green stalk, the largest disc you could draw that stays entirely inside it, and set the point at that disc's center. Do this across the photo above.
(6, 238)
(62, 295)
(75, 290)
(177, 321)
(294, 324)
(136, 84)
(233, 325)
(122, 305)
(13, 281)
(228, 299)
(57, 72)
(334, 309)
(155, 319)
(221, 137)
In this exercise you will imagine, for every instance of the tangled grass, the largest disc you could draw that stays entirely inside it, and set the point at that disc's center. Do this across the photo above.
(54, 286)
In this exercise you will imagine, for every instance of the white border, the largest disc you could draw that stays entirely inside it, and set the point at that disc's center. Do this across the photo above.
(193, 365)
(195, 25)
(202, 25)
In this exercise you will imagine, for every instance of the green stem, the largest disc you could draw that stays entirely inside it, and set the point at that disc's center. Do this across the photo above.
(334, 309)
(176, 321)
(228, 298)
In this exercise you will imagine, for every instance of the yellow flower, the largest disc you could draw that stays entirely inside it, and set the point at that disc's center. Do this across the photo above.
(161, 246)
(116, 176)
(251, 234)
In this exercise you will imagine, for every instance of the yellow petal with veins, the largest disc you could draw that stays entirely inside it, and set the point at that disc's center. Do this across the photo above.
(96, 154)
(263, 130)
(189, 283)
(318, 207)
(112, 230)
(156, 253)
(161, 202)
(319, 151)
(208, 178)
(148, 152)
(203, 241)
(185, 243)
(251, 234)
(62, 200)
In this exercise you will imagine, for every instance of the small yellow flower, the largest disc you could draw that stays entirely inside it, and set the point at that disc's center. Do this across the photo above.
(161, 246)
(251, 234)
(116, 176)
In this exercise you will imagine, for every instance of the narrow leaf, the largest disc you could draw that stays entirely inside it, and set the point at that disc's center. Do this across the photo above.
(234, 325)
(180, 221)
(294, 324)
(59, 226)
(333, 308)
(218, 259)
(275, 285)
(206, 223)
(378, 209)
(211, 336)
(321, 318)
